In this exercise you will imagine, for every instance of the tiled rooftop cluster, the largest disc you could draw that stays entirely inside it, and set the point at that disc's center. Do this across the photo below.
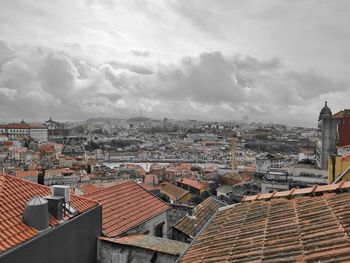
(14, 195)
(125, 206)
(305, 229)
(191, 225)
(316, 189)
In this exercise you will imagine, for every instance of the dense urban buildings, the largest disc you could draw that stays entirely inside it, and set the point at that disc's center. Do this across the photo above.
(154, 190)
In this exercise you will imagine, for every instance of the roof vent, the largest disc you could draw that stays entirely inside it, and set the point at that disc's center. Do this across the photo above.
(56, 206)
(36, 213)
(61, 191)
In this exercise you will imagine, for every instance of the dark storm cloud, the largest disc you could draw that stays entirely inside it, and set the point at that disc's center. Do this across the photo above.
(215, 78)
(310, 85)
(208, 78)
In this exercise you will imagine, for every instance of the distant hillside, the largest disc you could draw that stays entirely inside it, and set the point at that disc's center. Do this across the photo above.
(102, 119)
(139, 119)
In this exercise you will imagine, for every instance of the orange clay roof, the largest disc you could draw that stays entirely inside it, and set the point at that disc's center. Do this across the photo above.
(302, 191)
(88, 188)
(125, 206)
(31, 173)
(14, 194)
(194, 183)
(305, 229)
(340, 114)
(18, 126)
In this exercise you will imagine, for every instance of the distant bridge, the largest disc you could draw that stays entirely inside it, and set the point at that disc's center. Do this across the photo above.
(113, 160)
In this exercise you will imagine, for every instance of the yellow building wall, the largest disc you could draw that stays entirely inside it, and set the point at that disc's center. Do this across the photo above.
(185, 198)
(339, 167)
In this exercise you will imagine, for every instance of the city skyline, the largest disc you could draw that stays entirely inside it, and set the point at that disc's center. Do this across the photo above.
(274, 61)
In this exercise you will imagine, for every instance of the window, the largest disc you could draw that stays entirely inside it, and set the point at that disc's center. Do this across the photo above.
(158, 230)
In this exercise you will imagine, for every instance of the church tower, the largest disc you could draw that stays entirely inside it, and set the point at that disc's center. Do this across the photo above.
(327, 137)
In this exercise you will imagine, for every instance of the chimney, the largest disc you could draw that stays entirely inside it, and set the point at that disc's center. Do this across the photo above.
(36, 213)
(56, 206)
(60, 194)
(41, 177)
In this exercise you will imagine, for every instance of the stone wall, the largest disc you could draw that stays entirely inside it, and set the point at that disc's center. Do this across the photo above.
(115, 253)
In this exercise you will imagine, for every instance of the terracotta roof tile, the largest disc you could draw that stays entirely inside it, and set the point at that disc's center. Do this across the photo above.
(125, 206)
(30, 173)
(14, 195)
(297, 192)
(194, 183)
(304, 229)
(18, 126)
(88, 188)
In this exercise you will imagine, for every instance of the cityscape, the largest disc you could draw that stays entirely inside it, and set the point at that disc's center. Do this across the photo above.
(122, 139)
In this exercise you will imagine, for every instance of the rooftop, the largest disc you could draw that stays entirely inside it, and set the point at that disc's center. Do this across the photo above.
(158, 244)
(191, 225)
(304, 229)
(194, 183)
(174, 192)
(125, 206)
(346, 157)
(316, 189)
(88, 188)
(14, 195)
(149, 188)
(341, 114)
(31, 173)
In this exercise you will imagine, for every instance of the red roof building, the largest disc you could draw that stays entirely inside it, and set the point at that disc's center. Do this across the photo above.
(128, 208)
(30, 175)
(192, 185)
(343, 127)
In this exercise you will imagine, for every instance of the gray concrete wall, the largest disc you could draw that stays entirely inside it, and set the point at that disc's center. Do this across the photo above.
(71, 242)
(108, 252)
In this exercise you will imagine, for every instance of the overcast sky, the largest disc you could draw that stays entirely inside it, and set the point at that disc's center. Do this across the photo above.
(273, 60)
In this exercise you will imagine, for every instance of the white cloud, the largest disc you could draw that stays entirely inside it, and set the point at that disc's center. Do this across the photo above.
(37, 85)
(203, 59)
